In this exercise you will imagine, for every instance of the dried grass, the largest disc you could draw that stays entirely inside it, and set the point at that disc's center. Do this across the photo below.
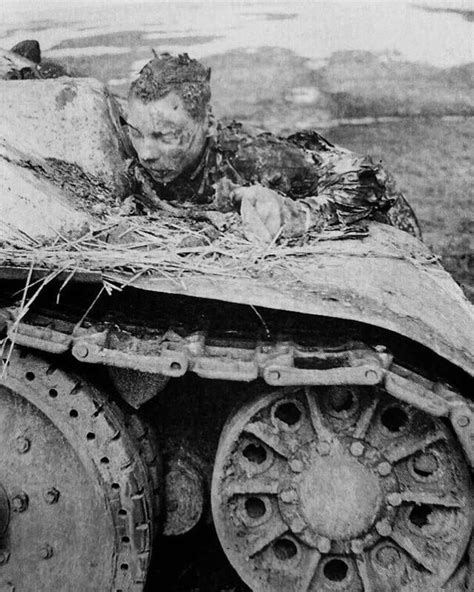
(27, 299)
(123, 249)
(130, 246)
(135, 246)
(169, 247)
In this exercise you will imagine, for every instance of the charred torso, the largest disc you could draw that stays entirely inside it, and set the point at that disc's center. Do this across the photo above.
(301, 166)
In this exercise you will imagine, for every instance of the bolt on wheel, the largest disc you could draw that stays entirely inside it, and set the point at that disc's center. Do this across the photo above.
(76, 502)
(340, 488)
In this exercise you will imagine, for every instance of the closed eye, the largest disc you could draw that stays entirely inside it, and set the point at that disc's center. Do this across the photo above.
(134, 132)
(167, 137)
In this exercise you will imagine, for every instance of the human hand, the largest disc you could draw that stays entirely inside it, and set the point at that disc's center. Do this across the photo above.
(261, 210)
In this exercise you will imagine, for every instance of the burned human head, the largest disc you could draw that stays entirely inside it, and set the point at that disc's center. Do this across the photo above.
(168, 114)
(179, 74)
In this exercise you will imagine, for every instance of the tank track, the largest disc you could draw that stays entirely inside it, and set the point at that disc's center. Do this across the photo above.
(168, 354)
(286, 363)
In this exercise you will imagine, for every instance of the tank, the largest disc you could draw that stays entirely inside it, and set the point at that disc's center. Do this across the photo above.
(180, 413)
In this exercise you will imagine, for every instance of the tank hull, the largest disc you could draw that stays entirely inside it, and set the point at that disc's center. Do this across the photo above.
(347, 355)
(387, 279)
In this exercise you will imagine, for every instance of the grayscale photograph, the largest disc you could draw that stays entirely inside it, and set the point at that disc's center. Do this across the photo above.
(236, 303)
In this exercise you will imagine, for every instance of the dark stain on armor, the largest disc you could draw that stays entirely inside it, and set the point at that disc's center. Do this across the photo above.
(66, 95)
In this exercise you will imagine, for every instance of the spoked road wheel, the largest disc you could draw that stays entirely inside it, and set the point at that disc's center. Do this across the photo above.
(341, 488)
(76, 494)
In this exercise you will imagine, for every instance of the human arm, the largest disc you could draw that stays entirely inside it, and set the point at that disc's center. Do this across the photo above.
(359, 187)
(305, 183)
(267, 214)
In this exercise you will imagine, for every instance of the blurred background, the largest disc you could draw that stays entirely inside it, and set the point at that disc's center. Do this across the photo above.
(394, 79)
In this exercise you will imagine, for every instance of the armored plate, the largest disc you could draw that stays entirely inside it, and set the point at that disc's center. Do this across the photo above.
(30, 203)
(387, 279)
(68, 119)
(61, 155)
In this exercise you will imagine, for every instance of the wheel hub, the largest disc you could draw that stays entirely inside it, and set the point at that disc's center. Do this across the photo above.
(318, 488)
(336, 495)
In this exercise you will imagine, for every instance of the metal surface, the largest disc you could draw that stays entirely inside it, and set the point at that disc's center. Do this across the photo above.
(387, 279)
(316, 488)
(184, 494)
(141, 366)
(356, 280)
(79, 485)
(136, 388)
(436, 399)
(169, 356)
(462, 419)
(69, 119)
(340, 488)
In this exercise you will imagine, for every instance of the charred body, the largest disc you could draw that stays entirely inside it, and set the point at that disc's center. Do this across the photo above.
(294, 407)
(282, 186)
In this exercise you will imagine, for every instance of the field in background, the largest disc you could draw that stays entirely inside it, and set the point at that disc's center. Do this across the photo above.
(433, 162)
